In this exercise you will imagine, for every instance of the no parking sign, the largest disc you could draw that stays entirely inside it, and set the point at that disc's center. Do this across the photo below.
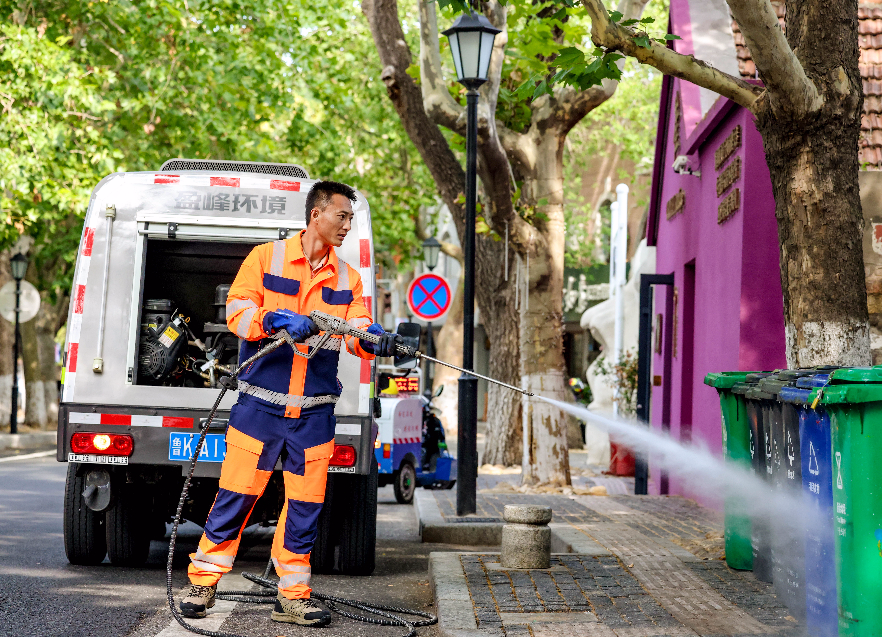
(429, 297)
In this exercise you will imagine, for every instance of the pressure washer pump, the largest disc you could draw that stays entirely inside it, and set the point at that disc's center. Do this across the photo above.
(331, 326)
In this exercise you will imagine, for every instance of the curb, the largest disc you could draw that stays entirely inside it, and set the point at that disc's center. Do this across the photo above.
(566, 538)
(434, 529)
(453, 604)
(29, 440)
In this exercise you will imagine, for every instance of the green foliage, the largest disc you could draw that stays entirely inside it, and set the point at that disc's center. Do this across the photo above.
(623, 380)
(89, 88)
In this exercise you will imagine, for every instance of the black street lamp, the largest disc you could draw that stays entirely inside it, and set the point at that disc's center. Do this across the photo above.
(19, 266)
(431, 251)
(471, 42)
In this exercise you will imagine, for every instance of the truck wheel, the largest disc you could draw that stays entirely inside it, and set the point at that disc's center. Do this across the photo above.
(321, 560)
(84, 541)
(128, 526)
(358, 537)
(405, 483)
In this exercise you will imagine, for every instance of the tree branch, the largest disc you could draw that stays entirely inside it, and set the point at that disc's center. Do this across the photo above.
(788, 86)
(439, 104)
(615, 37)
(572, 105)
(495, 169)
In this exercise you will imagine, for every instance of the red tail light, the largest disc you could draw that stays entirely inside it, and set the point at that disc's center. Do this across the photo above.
(387, 450)
(102, 444)
(344, 456)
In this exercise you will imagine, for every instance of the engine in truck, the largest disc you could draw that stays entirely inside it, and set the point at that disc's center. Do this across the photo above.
(174, 354)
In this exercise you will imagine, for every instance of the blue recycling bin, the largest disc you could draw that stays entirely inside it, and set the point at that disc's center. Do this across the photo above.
(817, 483)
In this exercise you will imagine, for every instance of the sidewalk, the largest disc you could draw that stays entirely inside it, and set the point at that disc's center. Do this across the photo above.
(624, 566)
(31, 440)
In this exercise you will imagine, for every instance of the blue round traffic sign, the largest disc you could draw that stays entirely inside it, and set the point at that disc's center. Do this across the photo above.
(428, 296)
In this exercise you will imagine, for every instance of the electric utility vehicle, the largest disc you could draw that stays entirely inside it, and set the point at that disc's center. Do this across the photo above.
(411, 449)
(148, 345)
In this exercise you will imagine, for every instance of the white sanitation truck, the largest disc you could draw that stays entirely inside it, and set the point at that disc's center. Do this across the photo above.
(147, 346)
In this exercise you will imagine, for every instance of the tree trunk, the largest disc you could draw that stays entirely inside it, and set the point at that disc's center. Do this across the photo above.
(542, 361)
(6, 346)
(448, 347)
(35, 404)
(813, 161)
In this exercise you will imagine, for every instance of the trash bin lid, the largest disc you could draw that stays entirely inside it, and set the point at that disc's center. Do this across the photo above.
(740, 388)
(817, 380)
(755, 393)
(793, 374)
(755, 377)
(773, 384)
(796, 395)
(725, 380)
(852, 393)
(857, 375)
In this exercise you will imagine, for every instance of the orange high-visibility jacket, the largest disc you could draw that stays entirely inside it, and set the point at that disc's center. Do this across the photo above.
(277, 276)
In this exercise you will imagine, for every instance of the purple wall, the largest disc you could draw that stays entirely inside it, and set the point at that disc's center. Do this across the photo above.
(729, 308)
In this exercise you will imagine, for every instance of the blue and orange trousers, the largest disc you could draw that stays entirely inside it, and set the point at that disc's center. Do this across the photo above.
(255, 441)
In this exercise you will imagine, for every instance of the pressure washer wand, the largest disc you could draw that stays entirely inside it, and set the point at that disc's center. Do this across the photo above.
(336, 325)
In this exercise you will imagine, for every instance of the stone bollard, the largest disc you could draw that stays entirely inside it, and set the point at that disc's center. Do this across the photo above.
(526, 538)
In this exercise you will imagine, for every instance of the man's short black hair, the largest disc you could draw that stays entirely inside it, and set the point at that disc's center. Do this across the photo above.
(320, 194)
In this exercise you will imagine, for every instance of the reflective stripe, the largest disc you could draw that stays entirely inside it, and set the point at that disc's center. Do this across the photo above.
(332, 343)
(245, 322)
(294, 568)
(235, 305)
(278, 264)
(360, 324)
(292, 580)
(213, 563)
(342, 275)
(208, 566)
(290, 400)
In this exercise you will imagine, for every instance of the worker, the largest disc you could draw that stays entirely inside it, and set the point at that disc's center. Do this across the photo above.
(286, 402)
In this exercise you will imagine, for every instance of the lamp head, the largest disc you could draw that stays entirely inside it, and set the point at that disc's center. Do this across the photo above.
(19, 266)
(471, 43)
(431, 251)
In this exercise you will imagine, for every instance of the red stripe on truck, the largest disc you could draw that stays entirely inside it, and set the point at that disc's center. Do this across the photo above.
(72, 357)
(166, 179)
(88, 238)
(367, 304)
(364, 253)
(224, 181)
(176, 421)
(78, 299)
(278, 184)
(116, 419)
(365, 372)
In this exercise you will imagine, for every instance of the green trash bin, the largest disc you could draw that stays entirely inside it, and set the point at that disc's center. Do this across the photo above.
(854, 400)
(736, 449)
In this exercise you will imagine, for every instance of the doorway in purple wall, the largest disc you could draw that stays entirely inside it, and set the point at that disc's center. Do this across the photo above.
(687, 352)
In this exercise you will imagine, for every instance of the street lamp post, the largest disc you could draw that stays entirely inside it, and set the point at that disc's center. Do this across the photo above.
(431, 252)
(19, 266)
(471, 43)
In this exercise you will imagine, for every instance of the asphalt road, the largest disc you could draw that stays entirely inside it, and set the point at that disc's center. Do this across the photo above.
(41, 594)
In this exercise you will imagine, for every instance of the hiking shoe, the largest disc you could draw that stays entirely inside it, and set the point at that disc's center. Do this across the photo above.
(299, 611)
(198, 600)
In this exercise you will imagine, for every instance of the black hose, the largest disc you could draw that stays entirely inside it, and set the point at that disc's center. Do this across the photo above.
(268, 596)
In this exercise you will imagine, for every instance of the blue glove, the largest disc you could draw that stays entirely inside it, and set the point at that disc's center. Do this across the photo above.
(298, 326)
(386, 346)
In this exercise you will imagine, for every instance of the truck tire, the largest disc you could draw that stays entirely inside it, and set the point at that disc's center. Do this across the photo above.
(404, 483)
(84, 541)
(321, 560)
(358, 536)
(128, 526)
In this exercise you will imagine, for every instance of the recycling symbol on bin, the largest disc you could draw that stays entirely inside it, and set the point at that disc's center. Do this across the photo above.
(791, 452)
(768, 446)
(813, 467)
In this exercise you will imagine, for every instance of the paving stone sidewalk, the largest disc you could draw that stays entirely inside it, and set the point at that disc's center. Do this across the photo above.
(641, 566)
